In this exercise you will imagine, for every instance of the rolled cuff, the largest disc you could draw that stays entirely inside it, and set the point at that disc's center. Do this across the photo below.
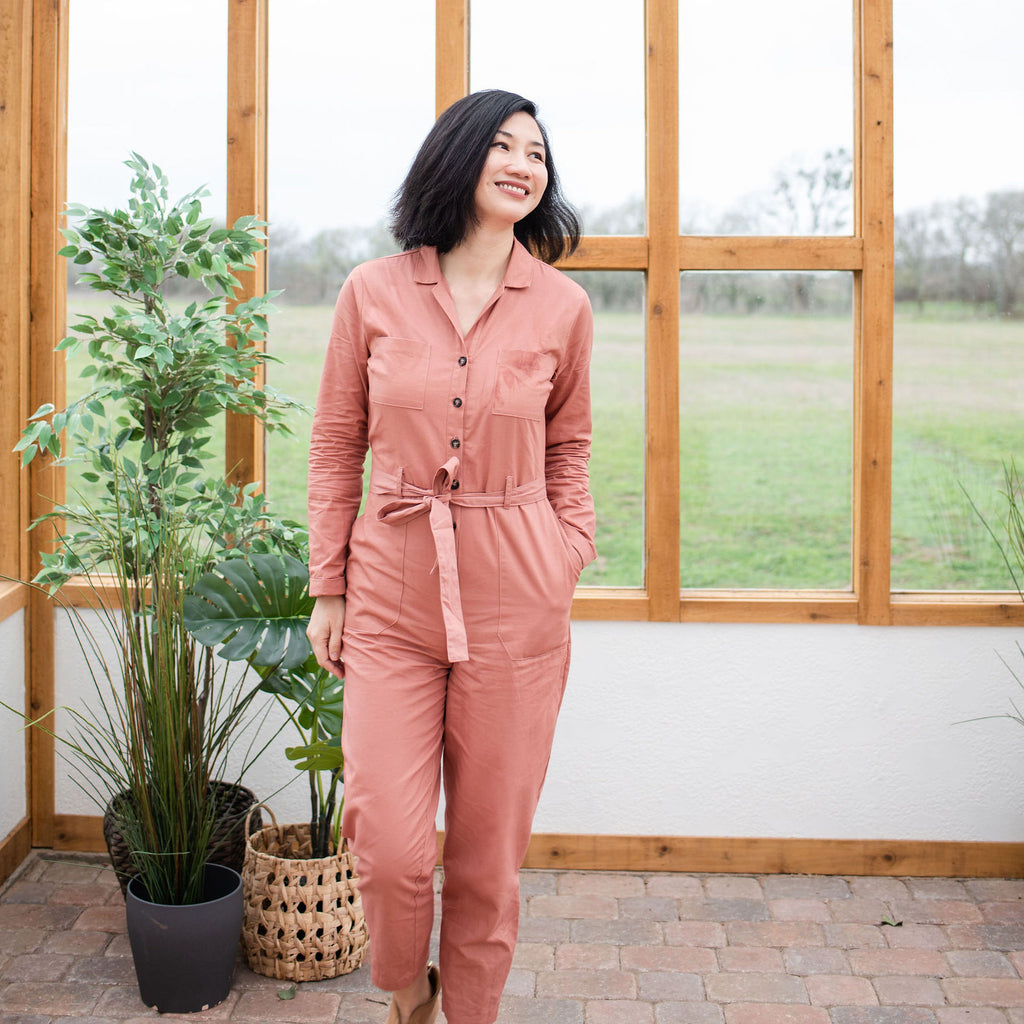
(327, 586)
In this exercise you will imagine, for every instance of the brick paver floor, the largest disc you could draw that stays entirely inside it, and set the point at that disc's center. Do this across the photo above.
(595, 948)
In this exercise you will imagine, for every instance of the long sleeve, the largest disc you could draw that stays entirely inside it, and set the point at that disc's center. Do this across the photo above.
(338, 444)
(568, 438)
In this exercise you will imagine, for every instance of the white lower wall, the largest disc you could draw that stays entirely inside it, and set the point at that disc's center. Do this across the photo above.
(13, 805)
(788, 731)
(813, 731)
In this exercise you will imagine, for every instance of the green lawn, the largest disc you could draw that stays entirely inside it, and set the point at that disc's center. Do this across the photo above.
(766, 441)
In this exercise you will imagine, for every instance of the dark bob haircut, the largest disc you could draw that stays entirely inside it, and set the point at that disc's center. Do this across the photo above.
(435, 204)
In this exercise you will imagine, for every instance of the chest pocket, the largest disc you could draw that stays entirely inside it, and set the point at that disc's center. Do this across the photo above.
(397, 371)
(523, 383)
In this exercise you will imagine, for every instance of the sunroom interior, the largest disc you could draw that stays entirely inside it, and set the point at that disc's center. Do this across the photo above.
(797, 646)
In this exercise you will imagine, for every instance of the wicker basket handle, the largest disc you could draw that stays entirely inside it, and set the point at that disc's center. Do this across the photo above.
(256, 807)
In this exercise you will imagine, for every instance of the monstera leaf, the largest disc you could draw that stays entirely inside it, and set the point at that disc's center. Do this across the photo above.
(323, 755)
(319, 696)
(257, 607)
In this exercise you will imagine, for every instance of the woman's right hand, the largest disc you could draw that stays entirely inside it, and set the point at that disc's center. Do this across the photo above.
(324, 631)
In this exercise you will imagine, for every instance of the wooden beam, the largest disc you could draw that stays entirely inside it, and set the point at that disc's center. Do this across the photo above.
(16, 161)
(628, 604)
(451, 48)
(15, 339)
(767, 606)
(13, 597)
(46, 383)
(957, 609)
(82, 832)
(610, 603)
(245, 441)
(608, 252)
(661, 480)
(921, 858)
(712, 854)
(753, 253)
(873, 164)
(14, 848)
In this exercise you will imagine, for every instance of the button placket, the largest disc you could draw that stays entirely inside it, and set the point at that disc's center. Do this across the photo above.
(456, 421)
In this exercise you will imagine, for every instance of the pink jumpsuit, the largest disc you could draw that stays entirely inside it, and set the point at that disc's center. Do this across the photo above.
(459, 579)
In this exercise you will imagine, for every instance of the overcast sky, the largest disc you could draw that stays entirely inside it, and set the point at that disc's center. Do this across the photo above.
(351, 83)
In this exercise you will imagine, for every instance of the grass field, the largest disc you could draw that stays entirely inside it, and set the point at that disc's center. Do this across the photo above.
(766, 411)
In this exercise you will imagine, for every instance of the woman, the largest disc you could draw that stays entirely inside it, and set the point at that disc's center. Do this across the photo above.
(463, 363)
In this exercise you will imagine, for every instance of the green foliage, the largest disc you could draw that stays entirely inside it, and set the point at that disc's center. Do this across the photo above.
(159, 380)
(259, 608)
(158, 737)
(1009, 540)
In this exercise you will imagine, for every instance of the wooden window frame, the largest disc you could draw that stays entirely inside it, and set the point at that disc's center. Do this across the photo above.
(662, 254)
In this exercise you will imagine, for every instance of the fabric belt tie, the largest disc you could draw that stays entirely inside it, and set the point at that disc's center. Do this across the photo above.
(411, 502)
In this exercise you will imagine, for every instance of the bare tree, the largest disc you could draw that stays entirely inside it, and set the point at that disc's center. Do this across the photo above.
(914, 251)
(962, 232)
(1004, 231)
(816, 199)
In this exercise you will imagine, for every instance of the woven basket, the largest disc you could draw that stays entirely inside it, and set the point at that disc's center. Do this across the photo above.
(227, 845)
(303, 918)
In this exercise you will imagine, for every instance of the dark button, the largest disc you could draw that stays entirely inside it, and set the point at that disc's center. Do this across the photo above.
(455, 526)
(455, 442)
(457, 402)
(455, 485)
(463, 360)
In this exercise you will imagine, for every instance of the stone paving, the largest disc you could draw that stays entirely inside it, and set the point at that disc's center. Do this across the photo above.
(595, 948)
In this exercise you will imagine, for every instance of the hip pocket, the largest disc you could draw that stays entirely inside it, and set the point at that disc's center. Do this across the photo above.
(536, 580)
(375, 574)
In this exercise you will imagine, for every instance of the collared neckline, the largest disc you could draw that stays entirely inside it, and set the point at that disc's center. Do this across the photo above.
(518, 273)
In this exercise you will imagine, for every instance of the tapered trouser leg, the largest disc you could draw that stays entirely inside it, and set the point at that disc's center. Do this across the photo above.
(392, 739)
(498, 733)
(494, 719)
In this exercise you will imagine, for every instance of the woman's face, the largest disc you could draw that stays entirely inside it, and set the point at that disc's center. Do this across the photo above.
(515, 173)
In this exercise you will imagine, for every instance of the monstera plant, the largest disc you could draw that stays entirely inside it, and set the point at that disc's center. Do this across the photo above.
(258, 608)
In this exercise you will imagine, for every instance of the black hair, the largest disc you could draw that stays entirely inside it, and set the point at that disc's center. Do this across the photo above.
(435, 204)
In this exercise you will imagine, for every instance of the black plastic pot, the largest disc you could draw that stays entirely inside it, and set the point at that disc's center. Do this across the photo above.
(185, 955)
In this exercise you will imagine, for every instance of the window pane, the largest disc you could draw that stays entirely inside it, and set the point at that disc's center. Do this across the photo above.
(766, 419)
(338, 150)
(959, 333)
(617, 456)
(766, 117)
(140, 81)
(585, 71)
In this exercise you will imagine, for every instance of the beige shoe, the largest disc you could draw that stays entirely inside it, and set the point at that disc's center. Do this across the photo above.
(425, 1013)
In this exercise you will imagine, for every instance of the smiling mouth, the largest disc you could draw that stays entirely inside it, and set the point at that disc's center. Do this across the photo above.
(514, 190)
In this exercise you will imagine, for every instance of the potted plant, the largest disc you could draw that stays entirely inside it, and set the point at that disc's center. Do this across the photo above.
(303, 916)
(153, 746)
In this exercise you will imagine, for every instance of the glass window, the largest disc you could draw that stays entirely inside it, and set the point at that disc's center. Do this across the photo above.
(766, 413)
(585, 72)
(351, 97)
(617, 456)
(140, 81)
(959, 329)
(765, 117)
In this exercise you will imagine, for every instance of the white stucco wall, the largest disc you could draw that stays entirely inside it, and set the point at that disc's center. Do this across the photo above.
(12, 737)
(813, 731)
